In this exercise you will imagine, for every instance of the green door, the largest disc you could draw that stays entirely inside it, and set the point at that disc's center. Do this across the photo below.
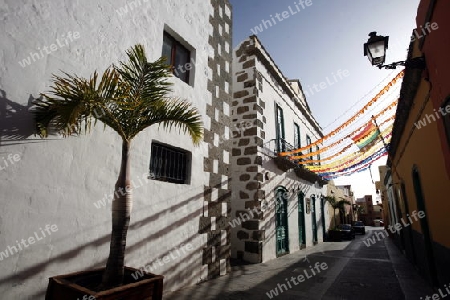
(281, 228)
(420, 200)
(301, 220)
(322, 214)
(313, 219)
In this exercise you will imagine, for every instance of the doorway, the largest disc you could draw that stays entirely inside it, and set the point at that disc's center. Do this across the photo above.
(301, 220)
(281, 221)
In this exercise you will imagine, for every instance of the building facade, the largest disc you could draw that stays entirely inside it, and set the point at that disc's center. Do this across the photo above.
(419, 175)
(380, 188)
(345, 216)
(67, 184)
(278, 201)
(366, 214)
(335, 215)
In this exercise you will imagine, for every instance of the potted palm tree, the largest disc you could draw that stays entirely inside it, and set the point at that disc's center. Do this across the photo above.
(127, 98)
(334, 234)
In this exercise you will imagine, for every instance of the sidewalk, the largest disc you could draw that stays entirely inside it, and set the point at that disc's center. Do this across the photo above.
(252, 282)
(413, 286)
(248, 282)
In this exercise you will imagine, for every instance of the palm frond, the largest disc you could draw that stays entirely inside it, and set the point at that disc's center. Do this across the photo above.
(332, 200)
(128, 98)
(345, 202)
(66, 105)
(173, 112)
(147, 81)
(74, 101)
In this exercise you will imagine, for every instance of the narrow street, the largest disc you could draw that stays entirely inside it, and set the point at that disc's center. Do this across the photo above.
(353, 271)
(221, 149)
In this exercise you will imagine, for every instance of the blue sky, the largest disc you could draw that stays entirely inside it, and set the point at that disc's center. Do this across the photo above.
(323, 38)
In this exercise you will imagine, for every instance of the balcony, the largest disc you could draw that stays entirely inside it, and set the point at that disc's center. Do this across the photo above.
(284, 163)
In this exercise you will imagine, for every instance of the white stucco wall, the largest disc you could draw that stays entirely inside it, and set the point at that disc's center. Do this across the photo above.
(56, 181)
(272, 94)
(239, 124)
(267, 92)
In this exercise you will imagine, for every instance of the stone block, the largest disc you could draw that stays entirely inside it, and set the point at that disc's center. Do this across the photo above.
(242, 77)
(243, 195)
(251, 150)
(243, 235)
(241, 94)
(251, 225)
(258, 235)
(244, 177)
(248, 64)
(244, 142)
(253, 247)
(244, 161)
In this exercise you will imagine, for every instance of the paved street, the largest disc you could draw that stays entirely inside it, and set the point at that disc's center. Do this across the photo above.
(353, 271)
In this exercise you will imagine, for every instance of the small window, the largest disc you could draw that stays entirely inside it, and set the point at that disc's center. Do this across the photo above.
(446, 117)
(318, 155)
(308, 142)
(177, 56)
(169, 164)
(296, 136)
(281, 144)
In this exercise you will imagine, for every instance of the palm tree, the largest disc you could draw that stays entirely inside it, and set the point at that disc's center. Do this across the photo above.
(130, 97)
(359, 211)
(341, 206)
(336, 204)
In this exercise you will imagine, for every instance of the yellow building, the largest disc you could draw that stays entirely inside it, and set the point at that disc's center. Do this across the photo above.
(342, 192)
(418, 182)
(381, 189)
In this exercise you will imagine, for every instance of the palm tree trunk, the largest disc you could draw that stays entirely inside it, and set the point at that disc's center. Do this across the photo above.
(121, 209)
(334, 212)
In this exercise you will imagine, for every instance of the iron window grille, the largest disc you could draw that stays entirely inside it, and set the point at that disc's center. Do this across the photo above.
(169, 164)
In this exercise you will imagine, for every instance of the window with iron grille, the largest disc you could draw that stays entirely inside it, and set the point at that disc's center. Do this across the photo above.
(177, 56)
(169, 164)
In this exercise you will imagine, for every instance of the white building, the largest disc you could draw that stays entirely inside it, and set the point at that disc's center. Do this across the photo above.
(271, 115)
(68, 182)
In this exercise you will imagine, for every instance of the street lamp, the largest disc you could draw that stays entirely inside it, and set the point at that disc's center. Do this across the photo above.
(375, 50)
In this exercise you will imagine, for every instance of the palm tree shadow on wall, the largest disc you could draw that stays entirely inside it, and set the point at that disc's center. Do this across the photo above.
(16, 121)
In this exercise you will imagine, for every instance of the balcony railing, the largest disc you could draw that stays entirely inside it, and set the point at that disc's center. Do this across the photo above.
(281, 145)
(284, 163)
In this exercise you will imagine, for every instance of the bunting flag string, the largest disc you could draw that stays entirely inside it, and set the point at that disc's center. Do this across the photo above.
(389, 107)
(369, 127)
(363, 168)
(345, 161)
(368, 139)
(355, 166)
(350, 164)
(332, 156)
(349, 121)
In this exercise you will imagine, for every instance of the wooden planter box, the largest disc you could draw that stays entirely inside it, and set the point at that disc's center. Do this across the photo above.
(75, 286)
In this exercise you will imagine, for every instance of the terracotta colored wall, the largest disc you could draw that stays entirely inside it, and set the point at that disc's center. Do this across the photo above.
(424, 150)
(436, 48)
